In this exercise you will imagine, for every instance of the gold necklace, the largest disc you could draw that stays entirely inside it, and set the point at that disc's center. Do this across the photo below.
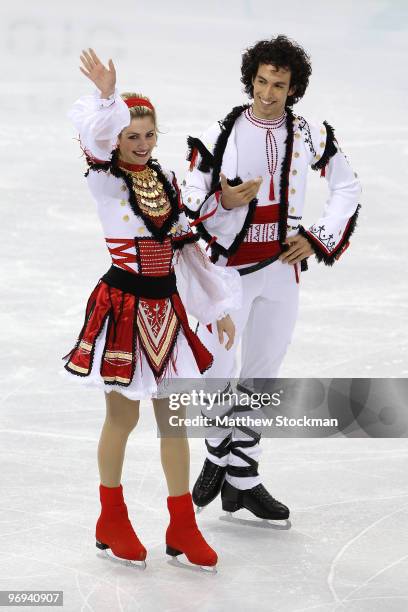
(151, 197)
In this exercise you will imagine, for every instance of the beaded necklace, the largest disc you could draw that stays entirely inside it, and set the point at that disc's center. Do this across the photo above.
(270, 142)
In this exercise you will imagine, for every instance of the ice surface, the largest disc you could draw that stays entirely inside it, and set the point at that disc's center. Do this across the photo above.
(347, 549)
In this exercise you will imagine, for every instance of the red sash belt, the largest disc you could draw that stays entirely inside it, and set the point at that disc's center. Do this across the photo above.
(254, 252)
(266, 214)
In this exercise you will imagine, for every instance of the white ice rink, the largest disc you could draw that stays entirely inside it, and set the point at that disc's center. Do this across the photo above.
(347, 549)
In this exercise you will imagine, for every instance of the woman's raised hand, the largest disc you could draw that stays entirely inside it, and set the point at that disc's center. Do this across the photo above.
(104, 78)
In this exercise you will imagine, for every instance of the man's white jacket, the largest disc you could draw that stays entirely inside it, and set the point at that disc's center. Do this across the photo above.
(306, 145)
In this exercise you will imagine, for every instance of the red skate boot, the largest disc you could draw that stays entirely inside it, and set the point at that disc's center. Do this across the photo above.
(183, 535)
(114, 529)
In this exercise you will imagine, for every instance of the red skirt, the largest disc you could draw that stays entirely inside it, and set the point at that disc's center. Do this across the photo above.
(135, 325)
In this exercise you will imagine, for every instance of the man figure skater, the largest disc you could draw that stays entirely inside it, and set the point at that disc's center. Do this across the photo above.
(245, 189)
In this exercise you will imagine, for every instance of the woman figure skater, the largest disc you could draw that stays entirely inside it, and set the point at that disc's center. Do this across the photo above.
(136, 337)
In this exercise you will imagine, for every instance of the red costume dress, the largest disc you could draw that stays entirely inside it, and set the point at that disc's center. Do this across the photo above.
(136, 335)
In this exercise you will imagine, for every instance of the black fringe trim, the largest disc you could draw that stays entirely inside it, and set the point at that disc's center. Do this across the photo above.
(329, 150)
(193, 214)
(219, 148)
(320, 254)
(178, 243)
(207, 160)
(218, 249)
(159, 233)
(97, 167)
(284, 177)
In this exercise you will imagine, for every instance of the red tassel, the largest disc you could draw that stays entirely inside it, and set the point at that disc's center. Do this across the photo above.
(271, 191)
(193, 159)
(296, 273)
(323, 172)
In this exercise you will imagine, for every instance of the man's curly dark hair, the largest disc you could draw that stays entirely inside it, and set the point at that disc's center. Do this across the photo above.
(282, 53)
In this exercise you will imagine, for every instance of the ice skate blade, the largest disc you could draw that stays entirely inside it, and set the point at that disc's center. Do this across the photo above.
(228, 517)
(112, 558)
(190, 566)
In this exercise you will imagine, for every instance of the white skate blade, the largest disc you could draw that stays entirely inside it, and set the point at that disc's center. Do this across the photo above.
(190, 566)
(112, 558)
(285, 525)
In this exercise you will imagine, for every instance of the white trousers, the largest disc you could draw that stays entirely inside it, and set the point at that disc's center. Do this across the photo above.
(264, 328)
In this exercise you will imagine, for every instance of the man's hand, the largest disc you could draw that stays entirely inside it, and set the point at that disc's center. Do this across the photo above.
(104, 78)
(226, 325)
(241, 195)
(299, 248)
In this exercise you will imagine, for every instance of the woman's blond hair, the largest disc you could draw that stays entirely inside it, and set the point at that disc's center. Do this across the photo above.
(140, 111)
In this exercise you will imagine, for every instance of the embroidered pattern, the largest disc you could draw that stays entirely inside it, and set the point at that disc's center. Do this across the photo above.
(304, 128)
(157, 325)
(319, 232)
(155, 258)
(262, 232)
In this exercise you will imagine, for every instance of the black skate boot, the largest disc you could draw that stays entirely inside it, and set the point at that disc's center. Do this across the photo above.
(257, 500)
(210, 480)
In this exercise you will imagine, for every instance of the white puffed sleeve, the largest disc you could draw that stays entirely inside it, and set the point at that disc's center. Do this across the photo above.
(206, 290)
(99, 122)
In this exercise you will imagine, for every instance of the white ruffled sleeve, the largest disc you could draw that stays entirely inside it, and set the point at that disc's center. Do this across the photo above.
(207, 291)
(99, 122)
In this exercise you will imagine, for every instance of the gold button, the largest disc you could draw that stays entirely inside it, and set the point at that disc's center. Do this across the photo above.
(296, 154)
(293, 190)
(294, 171)
(317, 157)
(123, 202)
(141, 230)
(297, 135)
(126, 218)
(321, 145)
(322, 131)
(188, 199)
(292, 210)
(123, 188)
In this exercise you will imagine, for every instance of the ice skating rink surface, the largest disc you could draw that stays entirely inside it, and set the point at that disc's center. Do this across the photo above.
(348, 545)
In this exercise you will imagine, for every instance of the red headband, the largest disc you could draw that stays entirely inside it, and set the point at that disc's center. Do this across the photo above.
(138, 102)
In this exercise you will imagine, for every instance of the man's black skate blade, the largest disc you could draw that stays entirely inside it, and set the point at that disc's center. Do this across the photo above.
(257, 522)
